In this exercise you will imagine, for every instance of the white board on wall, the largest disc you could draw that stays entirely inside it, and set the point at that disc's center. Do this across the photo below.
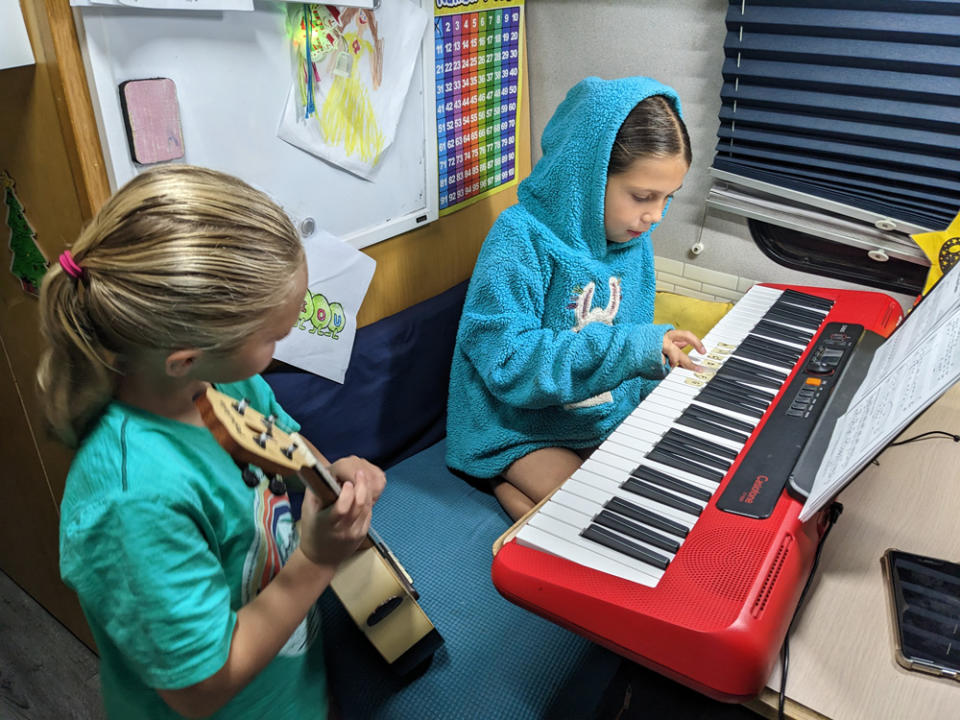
(232, 72)
(15, 47)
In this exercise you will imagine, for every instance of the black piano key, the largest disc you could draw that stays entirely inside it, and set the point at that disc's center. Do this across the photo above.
(638, 487)
(777, 376)
(802, 335)
(663, 480)
(794, 316)
(771, 329)
(806, 299)
(647, 517)
(734, 394)
(805, 316)
(633, 530)
(686, 452)
(735, 373)
(800, 304)
(615, 542)
(702, 443)
(751, 354)
(777, 353)
(737, 404)
(772, 345)
(709, 415)
(667, 457)
(732, 407)
(699, 424)
(740, 389)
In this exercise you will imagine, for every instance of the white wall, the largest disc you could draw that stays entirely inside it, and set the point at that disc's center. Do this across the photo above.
(679, 43)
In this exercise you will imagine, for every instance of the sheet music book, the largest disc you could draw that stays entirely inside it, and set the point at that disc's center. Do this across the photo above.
(917, 364)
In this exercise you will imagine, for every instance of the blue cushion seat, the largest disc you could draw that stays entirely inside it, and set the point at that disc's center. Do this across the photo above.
(498, 660)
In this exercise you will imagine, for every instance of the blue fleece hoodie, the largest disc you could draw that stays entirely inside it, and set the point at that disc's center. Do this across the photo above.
(556, 344)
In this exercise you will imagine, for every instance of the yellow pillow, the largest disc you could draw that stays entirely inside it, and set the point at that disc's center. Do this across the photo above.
(687, 313)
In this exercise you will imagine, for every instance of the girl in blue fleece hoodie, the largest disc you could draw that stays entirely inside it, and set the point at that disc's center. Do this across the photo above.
(557, 344)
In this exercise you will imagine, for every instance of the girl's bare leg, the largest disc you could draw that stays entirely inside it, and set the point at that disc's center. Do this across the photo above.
(533, 477)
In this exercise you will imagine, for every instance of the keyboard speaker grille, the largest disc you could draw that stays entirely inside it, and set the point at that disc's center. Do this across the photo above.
(727, 564)
(768, 582)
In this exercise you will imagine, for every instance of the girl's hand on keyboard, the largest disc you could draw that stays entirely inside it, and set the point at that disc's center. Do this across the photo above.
(675, 342)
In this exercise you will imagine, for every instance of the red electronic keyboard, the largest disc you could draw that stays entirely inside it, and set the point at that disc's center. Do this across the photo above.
(675, 543)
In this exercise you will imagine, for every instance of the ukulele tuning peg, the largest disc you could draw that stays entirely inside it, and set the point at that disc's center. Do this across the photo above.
(241, 406)
(288, 451)
(268, 423)
(262, 439)
(278, 486)
(250, 478)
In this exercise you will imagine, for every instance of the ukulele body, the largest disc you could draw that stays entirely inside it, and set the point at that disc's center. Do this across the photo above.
(373, 587)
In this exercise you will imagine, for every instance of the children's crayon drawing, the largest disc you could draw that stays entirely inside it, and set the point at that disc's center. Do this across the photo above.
(318, 316)
(353, 70)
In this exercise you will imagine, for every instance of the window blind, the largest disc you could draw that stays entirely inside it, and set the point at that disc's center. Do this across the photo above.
(848, 106)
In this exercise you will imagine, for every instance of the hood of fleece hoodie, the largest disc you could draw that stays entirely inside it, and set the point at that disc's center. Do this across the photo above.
(565, 191)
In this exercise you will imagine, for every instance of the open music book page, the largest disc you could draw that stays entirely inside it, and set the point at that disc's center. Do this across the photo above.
(908, 373)
(937, 305)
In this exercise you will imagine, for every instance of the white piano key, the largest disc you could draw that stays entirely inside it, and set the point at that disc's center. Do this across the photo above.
(786, 343)
(659, 425)
(620, 457)
(602, 479)
(799, 302)
(618, 468)
(701, 482)
(639, 434)
(578, 518)
(600, 489)
(620, 445)
(709, 437)
(749, 419)
(782, 369)
(684, 382)
(725, 443)
(775, 344)
(593, 505)
(575, 552)
(676, 392)
(570, 534)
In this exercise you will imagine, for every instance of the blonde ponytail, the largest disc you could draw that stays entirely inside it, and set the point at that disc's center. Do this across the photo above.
(180, 257)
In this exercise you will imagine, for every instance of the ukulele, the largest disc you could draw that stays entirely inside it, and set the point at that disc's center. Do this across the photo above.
(372, 585)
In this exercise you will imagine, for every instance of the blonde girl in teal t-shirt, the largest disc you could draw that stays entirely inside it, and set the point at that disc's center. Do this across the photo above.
(196, 583)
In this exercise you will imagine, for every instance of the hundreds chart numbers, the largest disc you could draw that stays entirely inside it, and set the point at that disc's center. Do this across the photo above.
(478, 91)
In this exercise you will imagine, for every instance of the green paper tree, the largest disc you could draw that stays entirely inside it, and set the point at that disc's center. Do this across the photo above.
(28, 264)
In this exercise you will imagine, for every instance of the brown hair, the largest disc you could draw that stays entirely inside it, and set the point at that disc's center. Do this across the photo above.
(653, 128)
(180, 257)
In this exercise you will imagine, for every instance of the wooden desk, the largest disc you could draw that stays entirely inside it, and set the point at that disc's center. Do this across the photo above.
(841, 650)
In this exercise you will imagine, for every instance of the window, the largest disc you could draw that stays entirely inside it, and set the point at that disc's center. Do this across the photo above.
(841, 119)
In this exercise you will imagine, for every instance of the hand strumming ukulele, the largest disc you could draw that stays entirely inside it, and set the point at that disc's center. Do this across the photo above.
(372, 585)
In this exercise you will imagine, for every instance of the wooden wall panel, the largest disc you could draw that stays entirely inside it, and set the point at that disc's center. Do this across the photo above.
(34, 153)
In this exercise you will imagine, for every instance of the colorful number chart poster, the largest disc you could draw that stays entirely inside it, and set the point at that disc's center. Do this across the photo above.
(478, 49)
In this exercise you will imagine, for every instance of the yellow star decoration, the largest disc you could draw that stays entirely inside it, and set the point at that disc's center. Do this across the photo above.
(943, 249)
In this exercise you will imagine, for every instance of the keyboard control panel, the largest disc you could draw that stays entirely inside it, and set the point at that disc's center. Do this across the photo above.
(756, 485)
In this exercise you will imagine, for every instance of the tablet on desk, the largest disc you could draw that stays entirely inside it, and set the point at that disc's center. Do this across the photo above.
(925, 603)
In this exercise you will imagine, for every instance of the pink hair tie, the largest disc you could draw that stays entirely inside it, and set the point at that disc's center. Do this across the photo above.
(69, 265)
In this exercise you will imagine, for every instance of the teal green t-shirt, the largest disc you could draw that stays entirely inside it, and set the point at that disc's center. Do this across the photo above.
(164, 542)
